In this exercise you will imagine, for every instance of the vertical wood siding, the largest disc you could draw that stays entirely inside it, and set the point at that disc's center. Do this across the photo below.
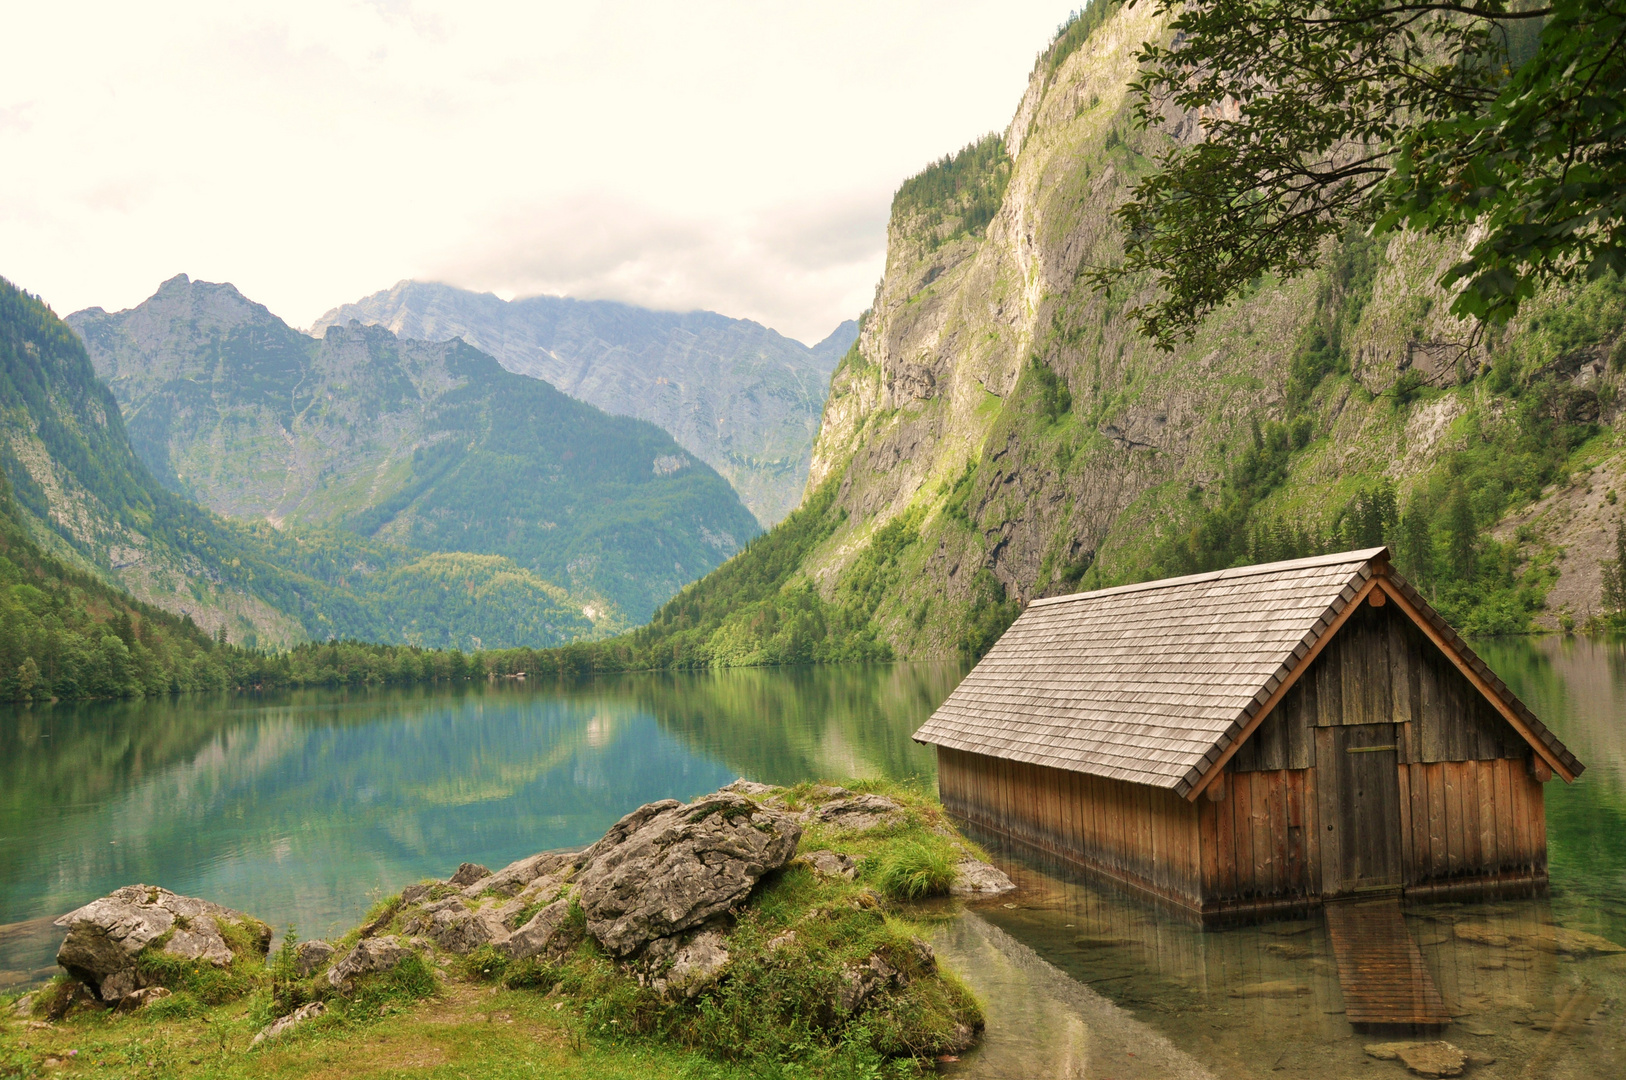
(1470, 810)
(1143, 836)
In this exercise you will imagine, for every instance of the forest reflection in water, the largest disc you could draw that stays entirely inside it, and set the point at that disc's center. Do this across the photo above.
(303, 808)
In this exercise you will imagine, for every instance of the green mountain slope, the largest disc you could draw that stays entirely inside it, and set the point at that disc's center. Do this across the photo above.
(83, 495)
(434, 447)
(1000, 431)
(735, 394)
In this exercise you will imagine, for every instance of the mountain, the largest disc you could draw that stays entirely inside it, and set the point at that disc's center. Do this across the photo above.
(430, 446)
(1001, 431)
(733, 393)
(86, 500)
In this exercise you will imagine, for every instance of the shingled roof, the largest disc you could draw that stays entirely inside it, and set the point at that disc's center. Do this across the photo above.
(1152, 683)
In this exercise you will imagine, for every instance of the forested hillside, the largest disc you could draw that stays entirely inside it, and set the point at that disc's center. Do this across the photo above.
(740, 397)
(1002, 431)
(81, 494)
(433, 447)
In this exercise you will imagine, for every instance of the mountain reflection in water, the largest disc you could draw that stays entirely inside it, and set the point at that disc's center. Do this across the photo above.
(302, 808)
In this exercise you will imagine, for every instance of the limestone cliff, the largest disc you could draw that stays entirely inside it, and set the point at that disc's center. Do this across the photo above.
(1005, 417)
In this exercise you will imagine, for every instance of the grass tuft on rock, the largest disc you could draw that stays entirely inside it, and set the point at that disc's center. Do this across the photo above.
(913, 870)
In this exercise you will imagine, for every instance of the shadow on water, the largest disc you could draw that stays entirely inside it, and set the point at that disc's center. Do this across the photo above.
(303, 807)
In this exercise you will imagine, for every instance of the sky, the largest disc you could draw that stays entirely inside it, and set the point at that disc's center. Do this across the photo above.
(738, 157)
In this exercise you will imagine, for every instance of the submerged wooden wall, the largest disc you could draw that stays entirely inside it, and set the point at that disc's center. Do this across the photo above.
(1469, 820)
(1145, 837)
(1261, 840)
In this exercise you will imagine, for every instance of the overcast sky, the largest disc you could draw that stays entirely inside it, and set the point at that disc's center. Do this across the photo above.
(732, 156)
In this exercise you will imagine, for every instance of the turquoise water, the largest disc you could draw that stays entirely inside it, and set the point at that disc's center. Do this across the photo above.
(303, 808)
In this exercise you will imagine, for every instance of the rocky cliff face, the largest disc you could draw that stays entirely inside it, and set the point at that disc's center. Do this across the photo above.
(1023, 440)
(431, 446)
(736, 395)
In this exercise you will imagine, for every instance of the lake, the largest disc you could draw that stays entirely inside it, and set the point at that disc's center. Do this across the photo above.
(303, 808)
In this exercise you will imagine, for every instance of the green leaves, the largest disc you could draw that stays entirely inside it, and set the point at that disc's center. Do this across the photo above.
(1460, 119)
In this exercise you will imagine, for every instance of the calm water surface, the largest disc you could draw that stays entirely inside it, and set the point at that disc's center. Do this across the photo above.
(301, 808)
(304, 808)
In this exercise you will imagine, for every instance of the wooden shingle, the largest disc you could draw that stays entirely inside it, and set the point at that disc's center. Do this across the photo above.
(1150, 683)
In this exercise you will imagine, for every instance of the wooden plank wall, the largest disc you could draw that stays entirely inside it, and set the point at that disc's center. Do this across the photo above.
(1262, 839)
(1381, 669)
(1143, 836)
(1463, 819)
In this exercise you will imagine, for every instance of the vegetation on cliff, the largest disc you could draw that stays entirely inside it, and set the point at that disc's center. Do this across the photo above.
(1498, 119)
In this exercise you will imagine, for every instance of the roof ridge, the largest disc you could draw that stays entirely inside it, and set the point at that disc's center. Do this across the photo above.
(1360, 556)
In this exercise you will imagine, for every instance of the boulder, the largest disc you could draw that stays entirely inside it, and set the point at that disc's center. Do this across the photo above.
(136, 998)
(749, 787)
(973, 877)
(311, 957)
(1423, 1058)
(547, 933)
(831, 864)
(859, 982)
(283, 1023)
(23, 1007)
(859, 812)
(696, 965)
(370, 955)
(417, 893)
(519, 876)
(105, 936)
(467, 874)
(666, 867)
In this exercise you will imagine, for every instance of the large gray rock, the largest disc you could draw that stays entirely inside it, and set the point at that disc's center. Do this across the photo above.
(665, 867)
(105, 936)
(311, 956)
(859, 812)
(370, 955)
(293, 1019)
(547, 933)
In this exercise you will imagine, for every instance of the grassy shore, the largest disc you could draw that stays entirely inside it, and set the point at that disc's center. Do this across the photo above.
(773, 1014)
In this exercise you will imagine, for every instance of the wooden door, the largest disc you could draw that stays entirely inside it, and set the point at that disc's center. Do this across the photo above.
(1359, 783)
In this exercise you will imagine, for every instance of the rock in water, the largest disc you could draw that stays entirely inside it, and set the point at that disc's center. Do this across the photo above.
(283, 1023)
(973, 877)
(665, 867)
(105, 936)
(1423, 1058)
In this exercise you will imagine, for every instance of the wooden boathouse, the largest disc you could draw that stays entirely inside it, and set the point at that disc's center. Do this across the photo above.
(1262, 738)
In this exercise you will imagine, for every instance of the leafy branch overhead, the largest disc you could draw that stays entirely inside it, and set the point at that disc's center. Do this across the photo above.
(1502, 125)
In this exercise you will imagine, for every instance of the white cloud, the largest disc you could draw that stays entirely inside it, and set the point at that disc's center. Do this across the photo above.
(732, 156)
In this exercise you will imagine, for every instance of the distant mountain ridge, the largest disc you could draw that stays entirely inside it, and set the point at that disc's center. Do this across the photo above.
(739, 396)
(433, 447)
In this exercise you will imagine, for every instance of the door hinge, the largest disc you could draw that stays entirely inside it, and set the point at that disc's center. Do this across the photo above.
(1368, 749)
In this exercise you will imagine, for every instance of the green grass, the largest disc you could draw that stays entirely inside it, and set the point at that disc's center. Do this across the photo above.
(775, 1014)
